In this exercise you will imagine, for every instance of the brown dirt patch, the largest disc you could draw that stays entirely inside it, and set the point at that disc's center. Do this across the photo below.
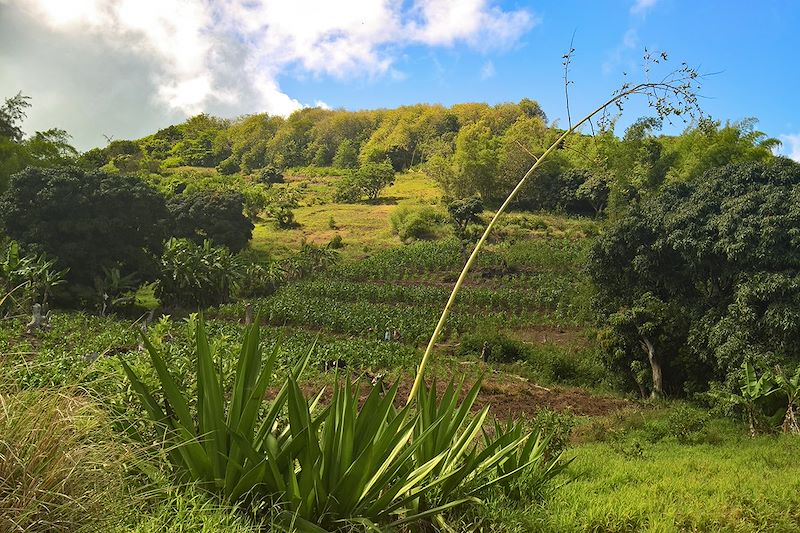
(543, 334)
(509, 396)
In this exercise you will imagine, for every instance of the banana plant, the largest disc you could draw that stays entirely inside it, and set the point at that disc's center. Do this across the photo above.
(753, 389)
(790, 387)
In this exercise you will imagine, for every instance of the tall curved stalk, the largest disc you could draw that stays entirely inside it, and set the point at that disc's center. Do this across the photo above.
(673, 95)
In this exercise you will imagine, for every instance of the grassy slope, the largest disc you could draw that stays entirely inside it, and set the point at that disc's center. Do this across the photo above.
(364, 227)
(738, 485)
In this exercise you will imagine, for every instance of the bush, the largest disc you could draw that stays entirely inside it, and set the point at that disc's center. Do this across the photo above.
(416, 223)
(493, 346)
(228, 166)
(214, 215)
(336, 242)
(270, 175)
(351, 463)
(59, 472)
(197, 276)
(368, 180)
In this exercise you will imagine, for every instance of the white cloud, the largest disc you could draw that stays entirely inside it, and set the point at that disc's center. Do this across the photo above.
(617, 56)
(791, 145)
(640, 7)
(487, 71)
(206, 53)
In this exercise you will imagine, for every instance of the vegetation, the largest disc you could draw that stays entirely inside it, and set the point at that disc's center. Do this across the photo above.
(635, 309)
(728, 296)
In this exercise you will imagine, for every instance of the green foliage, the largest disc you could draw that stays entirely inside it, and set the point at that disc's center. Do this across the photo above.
(346, 155)
(48, 148)
(270, 175)
(334, 466)
(87, 221)
(197, 276)
(414, 223)
(727, 296)
(215, 216)
(26, 279)
(368, 180)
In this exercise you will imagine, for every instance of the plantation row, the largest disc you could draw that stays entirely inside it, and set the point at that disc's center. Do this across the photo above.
(525, 296)
(362, 318)
(505, 261)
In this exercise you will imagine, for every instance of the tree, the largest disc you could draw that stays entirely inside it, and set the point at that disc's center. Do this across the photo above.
(44, 149)
(11, 115)
(86, 220)
(212, 215)
(346, 155)
(368, 180)
(706, 273)
(463, 212)
(476, 160)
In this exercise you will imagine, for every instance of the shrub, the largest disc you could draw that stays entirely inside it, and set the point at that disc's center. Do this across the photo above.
(198, 276)
(368, 180)
(415, 223)
(284, 218)
(493, 346)
(351, 462)
(336, 242)
(270, 175)
(59, 471)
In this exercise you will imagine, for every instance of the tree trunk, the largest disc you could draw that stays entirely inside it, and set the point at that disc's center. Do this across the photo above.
(655, 365)
(790, 421)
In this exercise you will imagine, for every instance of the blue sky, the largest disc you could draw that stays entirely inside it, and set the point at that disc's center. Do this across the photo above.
(126, 68)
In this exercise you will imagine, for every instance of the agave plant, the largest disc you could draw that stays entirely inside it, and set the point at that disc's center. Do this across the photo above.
(225, 444)
(332, 466)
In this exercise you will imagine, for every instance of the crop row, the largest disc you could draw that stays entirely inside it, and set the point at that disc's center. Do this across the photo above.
(559, 256)
(539, 292)
(371, 320)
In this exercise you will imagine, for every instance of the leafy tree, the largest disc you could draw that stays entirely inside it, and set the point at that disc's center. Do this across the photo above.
(44, 149)
(12, 114)
(708, 268)
(270, 175)
(87, 220)
(368, 180)
(217, 216)
(346, 155)
(475, 161)
(464, 212)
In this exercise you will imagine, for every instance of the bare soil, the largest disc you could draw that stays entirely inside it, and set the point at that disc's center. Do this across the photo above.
(509, 396)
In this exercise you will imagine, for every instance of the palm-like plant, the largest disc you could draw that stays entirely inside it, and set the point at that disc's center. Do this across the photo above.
(753, 389)
(790, 387)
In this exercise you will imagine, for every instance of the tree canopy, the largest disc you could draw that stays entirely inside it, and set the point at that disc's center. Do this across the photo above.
(87, 220)
(703, 275)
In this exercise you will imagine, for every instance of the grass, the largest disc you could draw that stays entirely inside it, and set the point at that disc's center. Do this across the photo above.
(60, 466)
(739, 485)
(364, 227)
